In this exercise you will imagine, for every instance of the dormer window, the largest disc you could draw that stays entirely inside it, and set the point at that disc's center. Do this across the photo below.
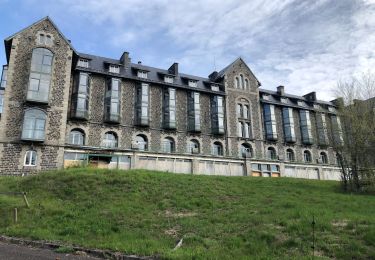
(331, 109)
(300, 103)
(265, 97)
(83, 63)
(215, 88)
(142, 74)
(192, 83)
(168, 79)
(284, 100)
(316, 106)
(114, 68)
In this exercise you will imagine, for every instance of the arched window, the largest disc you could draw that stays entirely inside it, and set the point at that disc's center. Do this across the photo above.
(34, 123)
(30, 158)
(217, 149)
(246, 84)
(271, 153)
(246, 151)
(110, 140)
(307, 156)
(77, 137)
(242, 82)
(237, 82)
(323, 158)
(193, 146)
(141, 142)
(40, 75)
(168, 145)
(290, 155)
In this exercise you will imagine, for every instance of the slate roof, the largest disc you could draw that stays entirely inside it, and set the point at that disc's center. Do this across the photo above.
(275, 98)
(99, 65)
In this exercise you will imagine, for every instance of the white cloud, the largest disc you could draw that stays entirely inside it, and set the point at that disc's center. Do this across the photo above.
(304, 45)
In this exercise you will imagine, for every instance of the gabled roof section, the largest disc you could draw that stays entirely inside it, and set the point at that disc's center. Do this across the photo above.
(8, 40)
(239, 59)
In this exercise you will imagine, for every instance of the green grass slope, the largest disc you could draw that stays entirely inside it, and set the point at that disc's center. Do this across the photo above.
(146, 213)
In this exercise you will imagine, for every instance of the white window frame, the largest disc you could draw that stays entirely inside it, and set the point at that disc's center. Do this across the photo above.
(113, 68)
(168, 79)
(193, 83)
(30, 153)
(83, 63)
(142, 74)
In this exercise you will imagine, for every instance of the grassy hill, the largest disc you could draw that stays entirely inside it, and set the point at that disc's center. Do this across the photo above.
(146, 213)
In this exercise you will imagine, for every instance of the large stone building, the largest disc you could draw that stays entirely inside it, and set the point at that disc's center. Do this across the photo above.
(61, 108)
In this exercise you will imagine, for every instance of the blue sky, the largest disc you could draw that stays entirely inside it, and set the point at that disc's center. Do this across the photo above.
(305, 45)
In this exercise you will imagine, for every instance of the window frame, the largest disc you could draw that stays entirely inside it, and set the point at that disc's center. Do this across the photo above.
(171, 145)
(40, 77)
(307, 156)
(30, 163)
(32, 119)
(217, 149)
(81, 137)
(143, 143)
(107, 142)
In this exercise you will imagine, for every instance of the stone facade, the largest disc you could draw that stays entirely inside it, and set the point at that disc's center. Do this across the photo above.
(236, 84)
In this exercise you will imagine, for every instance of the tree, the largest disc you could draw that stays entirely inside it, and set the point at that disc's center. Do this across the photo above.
(356, 150)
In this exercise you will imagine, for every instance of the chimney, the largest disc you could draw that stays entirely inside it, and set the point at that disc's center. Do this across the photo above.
(139, 62)
(310, 96)
(173, 69)
(125, 59)
(338, 102)
(213, 75)
(280, 90)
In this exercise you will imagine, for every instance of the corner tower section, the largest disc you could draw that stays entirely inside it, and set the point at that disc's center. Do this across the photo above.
(36, 98)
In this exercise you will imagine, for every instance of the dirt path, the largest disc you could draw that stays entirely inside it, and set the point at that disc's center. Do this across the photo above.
(20, 252)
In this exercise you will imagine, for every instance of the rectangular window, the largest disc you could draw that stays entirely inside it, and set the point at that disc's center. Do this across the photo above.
(194, 122)
(80, 97)
(217, 115)
(270, 122)
(288, 123)
(245, 112)
(240, 129)
(169, 108)
(142, 105)
(246, 131)
(168, 79)
(4, 77)
(215, 88)
(337, 130)
(193, 83)
(142, 74)
(112, 101)
(239, 110)
(305, 123)
(321, 126)
(114, 68)
(83, 63)
(331, 109)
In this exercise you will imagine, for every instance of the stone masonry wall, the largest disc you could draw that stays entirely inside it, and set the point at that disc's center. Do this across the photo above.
(15, 103)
